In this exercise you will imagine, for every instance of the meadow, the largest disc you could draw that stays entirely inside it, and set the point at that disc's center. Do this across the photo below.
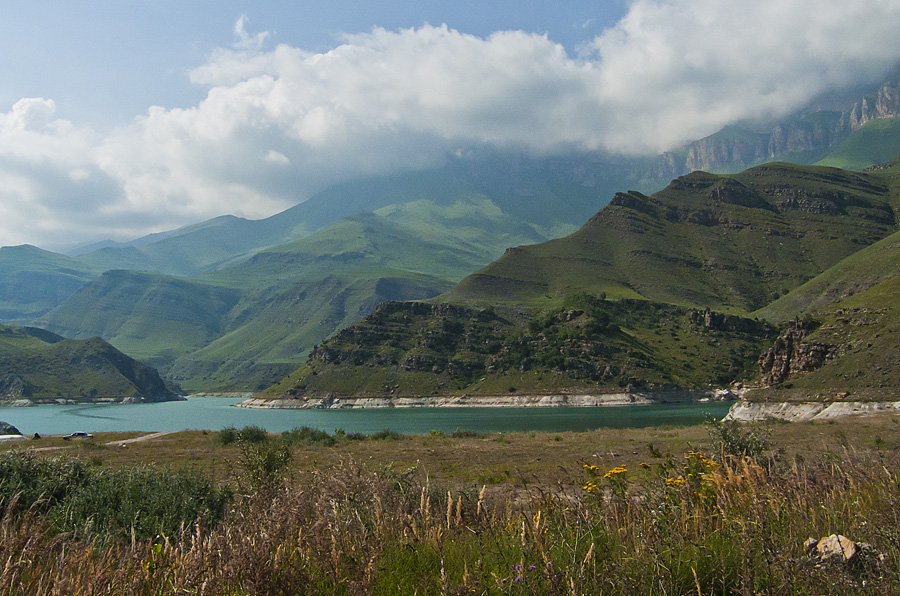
(714, 509)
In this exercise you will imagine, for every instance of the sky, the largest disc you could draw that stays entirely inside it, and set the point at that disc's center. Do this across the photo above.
(120, 118)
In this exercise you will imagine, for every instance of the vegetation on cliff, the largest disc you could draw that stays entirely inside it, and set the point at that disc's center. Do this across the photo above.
(39, 366)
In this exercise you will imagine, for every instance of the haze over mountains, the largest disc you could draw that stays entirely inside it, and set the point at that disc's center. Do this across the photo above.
(237, 304)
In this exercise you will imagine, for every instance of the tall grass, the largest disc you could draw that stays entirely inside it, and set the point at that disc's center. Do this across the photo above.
(681, 527)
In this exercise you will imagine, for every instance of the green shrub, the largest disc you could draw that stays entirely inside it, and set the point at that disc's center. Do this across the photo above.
(227, 435)
(253, 434)
(94, 502)
(387, 434)
(308, 436)
(729, 438)
(141, 501)
(264, 463)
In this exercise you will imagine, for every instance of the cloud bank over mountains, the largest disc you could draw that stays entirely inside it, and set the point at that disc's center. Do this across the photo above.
(278, 124)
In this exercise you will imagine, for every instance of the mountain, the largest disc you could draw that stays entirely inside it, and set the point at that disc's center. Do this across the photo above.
(588, 345)
(154, 317)
(35, 281)
(806, 138)
(729, 242)
(40, 367)
(875, 142)
(653, 292)
(245, 326)
(519, 184)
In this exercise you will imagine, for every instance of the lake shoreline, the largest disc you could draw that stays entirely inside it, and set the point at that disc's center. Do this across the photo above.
(556, 400)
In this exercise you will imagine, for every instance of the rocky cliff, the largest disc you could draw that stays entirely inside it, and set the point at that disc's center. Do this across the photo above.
(803, 139)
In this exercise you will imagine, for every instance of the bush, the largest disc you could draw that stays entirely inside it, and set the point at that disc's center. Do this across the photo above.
(93, 502)
(141, 501)
(227, 435)
(253, 434)
(729, 438)
(387, 435)
(264, 463)
(308, 436)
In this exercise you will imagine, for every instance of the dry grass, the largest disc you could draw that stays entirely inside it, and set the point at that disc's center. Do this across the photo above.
(412, 517)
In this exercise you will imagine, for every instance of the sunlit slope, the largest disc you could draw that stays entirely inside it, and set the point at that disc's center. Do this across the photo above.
(298, 294)
(732, 243)
(588, 345)
(37, 365)
(857, 273)
(877, 141)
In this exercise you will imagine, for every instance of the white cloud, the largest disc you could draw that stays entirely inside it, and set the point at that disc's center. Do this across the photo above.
(277, 125)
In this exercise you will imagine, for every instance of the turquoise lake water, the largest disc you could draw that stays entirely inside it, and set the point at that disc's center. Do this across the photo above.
(215, 413)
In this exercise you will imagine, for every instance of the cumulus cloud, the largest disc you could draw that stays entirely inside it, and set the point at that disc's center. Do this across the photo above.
(278, 124)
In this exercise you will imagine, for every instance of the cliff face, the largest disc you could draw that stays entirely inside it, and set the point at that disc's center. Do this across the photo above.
(791, 355)
(809, 135)
(885, 104)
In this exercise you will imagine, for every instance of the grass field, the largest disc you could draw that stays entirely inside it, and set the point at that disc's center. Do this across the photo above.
(640, 511)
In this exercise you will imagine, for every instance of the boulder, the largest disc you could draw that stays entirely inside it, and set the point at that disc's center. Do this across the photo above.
(840, 549)
(8, 429)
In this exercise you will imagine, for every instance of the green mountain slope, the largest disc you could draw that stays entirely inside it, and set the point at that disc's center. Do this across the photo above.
(299, 293)
(42, 367)
(857, 273)
(153, 317)
(589, 345)
(877, 141)
(849, 349)
(540, 319)
(35, 281)
(251, 323)
(732, 243)
(520, 185)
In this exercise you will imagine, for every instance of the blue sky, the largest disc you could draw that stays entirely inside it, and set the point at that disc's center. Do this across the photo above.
(106, 61)
(123, 117)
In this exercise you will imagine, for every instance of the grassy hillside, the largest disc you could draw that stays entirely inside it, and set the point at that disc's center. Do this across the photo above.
(39, 366)
(297, 294)
(638, 296)
(875, 142)
(847, 350)
(520, 185)
(153, 317)
(733, 243)
(857, 273)
(35, 281)
(248, 325)
(590, 344)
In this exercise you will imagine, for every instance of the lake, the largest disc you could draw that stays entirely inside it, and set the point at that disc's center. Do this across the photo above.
(216, 413)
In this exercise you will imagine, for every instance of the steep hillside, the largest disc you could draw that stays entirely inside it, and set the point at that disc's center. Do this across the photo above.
(875, 142)
(40, 367)
(849, 350)
(153, 317)
(731, 243)
(590, 345)
(635, 299)
(248, 325)
(33, 281)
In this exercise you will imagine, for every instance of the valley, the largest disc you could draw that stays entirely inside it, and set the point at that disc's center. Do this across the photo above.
(460, 281)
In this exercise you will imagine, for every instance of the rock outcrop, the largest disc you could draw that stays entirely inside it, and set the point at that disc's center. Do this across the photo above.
(812, 135)
(791, 355)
